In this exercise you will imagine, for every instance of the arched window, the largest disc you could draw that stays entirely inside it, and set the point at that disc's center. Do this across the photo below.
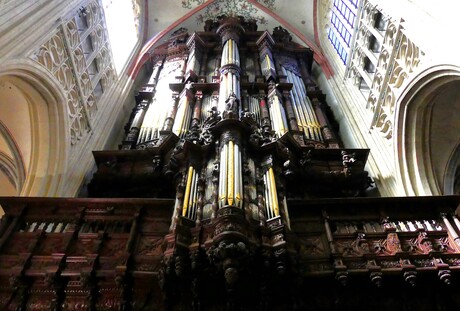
(343, 18)
(122, 19)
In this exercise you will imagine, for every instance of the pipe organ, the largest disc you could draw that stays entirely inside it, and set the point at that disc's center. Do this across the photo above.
(230, 191)
(202, 96)
(235, 133)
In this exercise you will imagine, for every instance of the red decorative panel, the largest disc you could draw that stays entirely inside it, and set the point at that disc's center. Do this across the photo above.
(114, 246)
(149, 246)
(76, 297)
(21, 242)
(109, 297)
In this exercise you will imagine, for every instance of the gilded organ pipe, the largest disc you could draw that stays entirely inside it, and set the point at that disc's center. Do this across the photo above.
(188, 186)
(230, 176)
(223, 177)
(268, 197)
(231, 173)
(273, 192)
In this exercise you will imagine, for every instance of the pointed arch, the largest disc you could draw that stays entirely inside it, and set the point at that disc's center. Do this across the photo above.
(426, 131)
(42, 138)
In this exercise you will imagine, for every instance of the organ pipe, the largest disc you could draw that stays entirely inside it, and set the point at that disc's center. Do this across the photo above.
(456, 221)
(191, 63)
(451, 229)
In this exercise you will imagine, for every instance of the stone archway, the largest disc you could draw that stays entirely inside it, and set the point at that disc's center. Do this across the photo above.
(427, 132)
(33, 131)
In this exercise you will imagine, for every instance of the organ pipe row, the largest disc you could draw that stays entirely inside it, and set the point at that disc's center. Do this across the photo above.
(158, 108)
(307, 120)
(189, 207)
(230, 54)
(271, 195)
(254, 108)
(183, 115)
(230, 176)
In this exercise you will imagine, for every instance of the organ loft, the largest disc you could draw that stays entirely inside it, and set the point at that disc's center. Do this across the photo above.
(231, 190)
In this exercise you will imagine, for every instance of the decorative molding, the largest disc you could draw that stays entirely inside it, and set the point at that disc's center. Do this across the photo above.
(80, 59)
(12, 167)
(8, 167)
(54, 56)
(396, 58)
(189, 4)
(234, 8)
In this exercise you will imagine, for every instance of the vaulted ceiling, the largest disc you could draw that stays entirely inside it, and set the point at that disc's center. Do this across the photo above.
(164, 17)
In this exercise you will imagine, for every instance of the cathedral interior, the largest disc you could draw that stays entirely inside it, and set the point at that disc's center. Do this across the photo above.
(229, 155)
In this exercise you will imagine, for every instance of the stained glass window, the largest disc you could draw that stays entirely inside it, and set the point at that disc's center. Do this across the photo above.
(343, 17)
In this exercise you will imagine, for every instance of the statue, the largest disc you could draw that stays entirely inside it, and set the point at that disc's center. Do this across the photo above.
(231, 107)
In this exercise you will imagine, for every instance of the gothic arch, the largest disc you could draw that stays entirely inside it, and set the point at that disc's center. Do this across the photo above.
(427, 140)
(33, 136)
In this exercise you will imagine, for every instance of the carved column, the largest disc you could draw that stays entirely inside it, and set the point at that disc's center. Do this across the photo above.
(169, 121)
(194, 134)
(139, 114)
(265, 120)
(328, 135)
